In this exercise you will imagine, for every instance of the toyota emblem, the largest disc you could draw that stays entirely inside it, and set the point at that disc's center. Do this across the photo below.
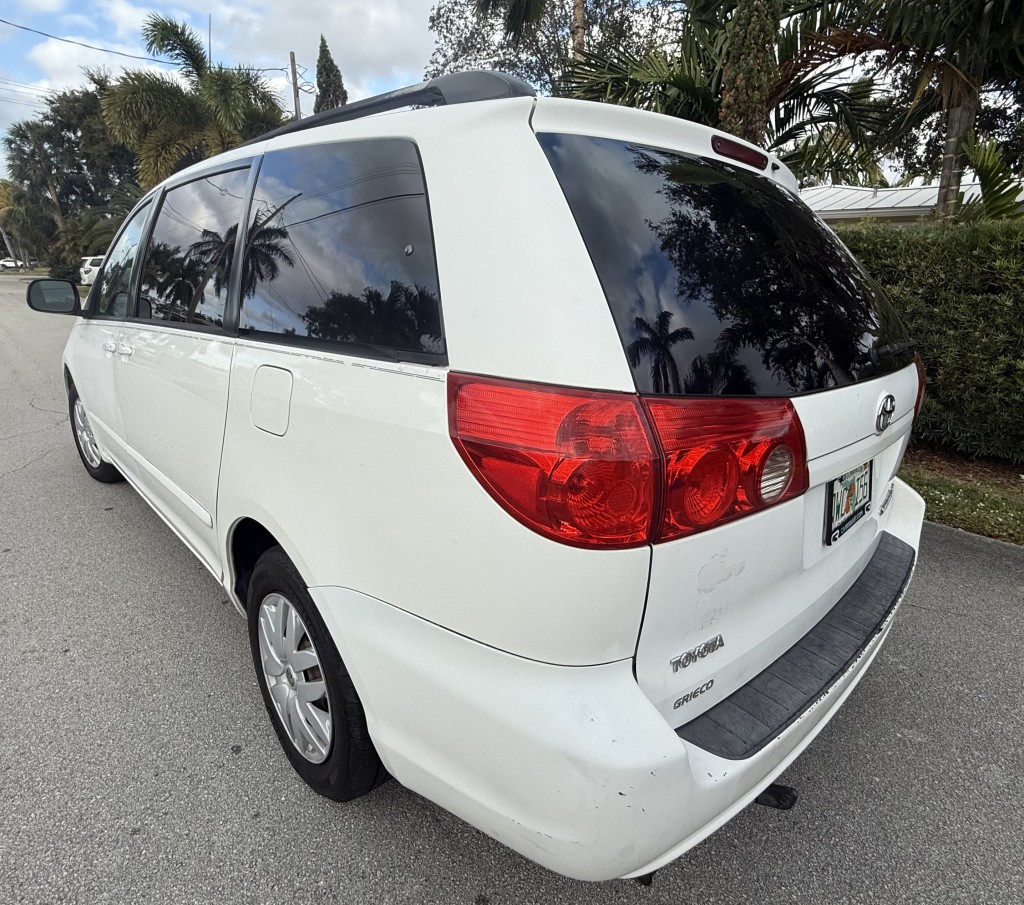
(885, 412)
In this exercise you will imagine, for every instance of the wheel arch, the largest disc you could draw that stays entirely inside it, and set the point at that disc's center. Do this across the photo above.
(248, 540)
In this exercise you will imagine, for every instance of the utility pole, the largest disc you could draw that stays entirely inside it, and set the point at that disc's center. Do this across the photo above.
(295, 86)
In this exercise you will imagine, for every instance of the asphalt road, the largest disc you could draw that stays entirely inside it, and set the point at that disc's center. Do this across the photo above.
(137, 763)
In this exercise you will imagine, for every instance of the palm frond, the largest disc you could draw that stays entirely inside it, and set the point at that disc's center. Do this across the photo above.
(1000, 191)
(179, 42)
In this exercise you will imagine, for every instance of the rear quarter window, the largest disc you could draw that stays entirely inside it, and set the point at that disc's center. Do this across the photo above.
(720, 281)
(339, 251)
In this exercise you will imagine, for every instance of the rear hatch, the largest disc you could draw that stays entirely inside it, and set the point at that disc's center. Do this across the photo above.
(724, 286)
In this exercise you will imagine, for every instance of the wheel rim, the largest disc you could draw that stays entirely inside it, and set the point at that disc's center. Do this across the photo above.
(294, 677)
(86, 439)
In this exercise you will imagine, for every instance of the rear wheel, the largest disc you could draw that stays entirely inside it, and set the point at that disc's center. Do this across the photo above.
(306, 688)
(86, 443)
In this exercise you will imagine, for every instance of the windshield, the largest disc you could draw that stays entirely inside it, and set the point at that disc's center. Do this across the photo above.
(720, 281)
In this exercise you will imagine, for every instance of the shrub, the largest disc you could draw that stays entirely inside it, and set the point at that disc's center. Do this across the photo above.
(65, 271)
(960, 291)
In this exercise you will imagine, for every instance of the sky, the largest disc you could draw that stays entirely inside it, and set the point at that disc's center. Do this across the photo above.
(377, 44)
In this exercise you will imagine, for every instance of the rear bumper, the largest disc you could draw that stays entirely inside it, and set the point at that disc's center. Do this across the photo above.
(571, 766)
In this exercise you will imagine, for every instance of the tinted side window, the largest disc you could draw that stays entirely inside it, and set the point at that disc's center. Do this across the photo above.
(340, 249)
(113, 295)
(185, 274)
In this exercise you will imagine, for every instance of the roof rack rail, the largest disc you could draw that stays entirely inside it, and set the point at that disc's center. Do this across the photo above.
(453, 88)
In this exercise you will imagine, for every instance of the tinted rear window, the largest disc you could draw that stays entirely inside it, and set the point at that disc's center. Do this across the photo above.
(720, 281)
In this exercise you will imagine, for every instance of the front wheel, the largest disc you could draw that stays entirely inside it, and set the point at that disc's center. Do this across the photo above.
(307, 691)
(85, 441)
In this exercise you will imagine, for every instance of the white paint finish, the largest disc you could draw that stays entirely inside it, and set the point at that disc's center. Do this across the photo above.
(573, 768)
(153, 476)
(641, 127)
(173, 392)
(839, 417)
(765, 580)
(271, 399)
(91, 364)
(370, 492)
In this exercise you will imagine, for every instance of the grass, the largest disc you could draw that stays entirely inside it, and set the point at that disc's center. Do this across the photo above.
(983, 496)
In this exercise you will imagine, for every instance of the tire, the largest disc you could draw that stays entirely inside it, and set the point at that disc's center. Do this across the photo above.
(85, 442)
(342, 763)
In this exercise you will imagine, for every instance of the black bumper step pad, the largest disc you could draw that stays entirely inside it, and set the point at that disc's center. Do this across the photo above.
(753, 715)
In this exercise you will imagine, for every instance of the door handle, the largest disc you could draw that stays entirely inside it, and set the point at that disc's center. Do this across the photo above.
(122, 349)
(109, 347)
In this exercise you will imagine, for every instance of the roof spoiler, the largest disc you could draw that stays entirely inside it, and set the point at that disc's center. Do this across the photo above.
(453, 88)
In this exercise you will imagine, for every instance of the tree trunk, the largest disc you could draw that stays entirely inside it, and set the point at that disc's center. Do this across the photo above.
(58, 216)
(7, 242)
(578, 28)
(959, 124)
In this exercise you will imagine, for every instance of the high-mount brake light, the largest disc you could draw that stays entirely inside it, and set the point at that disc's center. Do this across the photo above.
(580, 467)
(726, 458)
(611, 470)
(727, 147)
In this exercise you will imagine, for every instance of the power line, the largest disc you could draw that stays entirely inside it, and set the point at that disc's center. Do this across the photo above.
(35, 105)
(131, 56)
(25, 85)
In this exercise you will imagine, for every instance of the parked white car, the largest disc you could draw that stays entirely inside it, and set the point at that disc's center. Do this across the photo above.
(89, 268)
(548, 447)
(10, 264)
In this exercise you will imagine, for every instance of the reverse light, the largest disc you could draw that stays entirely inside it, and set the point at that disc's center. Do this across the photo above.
(726, 458)
(612, 470)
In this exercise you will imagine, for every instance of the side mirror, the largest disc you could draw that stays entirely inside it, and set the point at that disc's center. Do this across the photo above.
(53, 297)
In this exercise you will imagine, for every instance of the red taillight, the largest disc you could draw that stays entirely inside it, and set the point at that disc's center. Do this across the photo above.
(921, 382)
(574, 465)
(609, 470)
(726, 458)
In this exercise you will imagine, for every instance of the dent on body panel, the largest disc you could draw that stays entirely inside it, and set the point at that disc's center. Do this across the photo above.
(714, 593)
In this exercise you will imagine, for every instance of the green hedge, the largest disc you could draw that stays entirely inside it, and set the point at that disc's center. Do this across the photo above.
(960, 292)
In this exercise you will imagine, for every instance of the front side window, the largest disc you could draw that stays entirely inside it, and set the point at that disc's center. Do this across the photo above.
(188, 262)
(113, 294)
(340, 250)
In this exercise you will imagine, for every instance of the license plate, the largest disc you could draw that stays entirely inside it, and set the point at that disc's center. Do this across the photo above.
(847, 501)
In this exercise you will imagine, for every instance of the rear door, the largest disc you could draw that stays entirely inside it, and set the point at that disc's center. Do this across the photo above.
(723, 285)
(173, 359)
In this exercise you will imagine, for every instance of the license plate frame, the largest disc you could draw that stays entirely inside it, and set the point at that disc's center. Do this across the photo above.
(841, 514)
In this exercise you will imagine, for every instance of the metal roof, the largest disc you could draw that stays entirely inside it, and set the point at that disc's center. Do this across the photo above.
(850, 202)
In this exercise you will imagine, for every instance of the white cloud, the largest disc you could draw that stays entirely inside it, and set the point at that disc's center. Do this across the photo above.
(62, 64)
(378, 46)
(43, 6)
(126, 18)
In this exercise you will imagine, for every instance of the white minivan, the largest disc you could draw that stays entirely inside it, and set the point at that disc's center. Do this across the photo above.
(548, 447)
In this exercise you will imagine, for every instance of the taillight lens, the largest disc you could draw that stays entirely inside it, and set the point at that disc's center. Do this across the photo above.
(725, 458)
(597, 469)
(577, 466)
(921, 382)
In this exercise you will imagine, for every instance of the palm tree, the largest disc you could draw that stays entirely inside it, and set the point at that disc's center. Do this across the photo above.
(814, 111)
(656, 342)
(170, 123)
(521, 14)
(99, 225)
(956, 47)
